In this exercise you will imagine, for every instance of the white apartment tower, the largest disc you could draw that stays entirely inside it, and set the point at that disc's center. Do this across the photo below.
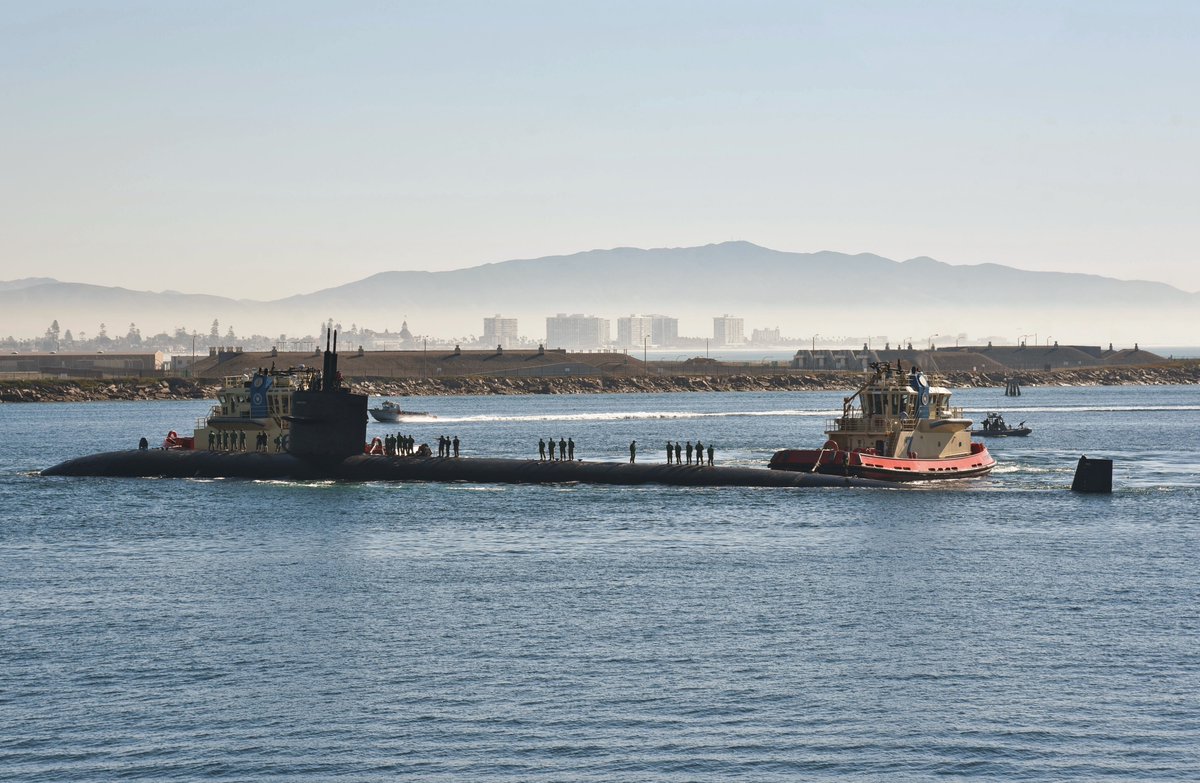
(576, 332)
(728, 330)
(639, 330)
(634, 331)
(500, 331)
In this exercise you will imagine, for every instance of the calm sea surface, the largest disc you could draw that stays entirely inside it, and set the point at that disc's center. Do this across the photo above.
(1002, 629)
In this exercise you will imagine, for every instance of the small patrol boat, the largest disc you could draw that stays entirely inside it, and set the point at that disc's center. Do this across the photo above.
(995, 427)
(389, 411)
(895, 427)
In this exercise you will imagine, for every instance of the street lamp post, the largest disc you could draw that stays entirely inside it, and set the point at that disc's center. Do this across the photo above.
(192, 368)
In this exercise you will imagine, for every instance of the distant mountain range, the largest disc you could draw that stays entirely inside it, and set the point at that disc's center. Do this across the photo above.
(833, 294)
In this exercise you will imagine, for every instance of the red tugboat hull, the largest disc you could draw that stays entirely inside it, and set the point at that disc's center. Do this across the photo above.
(863, 464)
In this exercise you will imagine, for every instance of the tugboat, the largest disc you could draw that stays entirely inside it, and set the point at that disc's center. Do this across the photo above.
(902, 429)
(994, 426)
(389, 411)
(252, 412)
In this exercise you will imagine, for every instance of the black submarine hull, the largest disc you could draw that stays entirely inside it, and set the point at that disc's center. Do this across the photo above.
(175, 463)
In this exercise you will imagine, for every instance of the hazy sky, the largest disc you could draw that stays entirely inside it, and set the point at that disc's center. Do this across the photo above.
(266, 148)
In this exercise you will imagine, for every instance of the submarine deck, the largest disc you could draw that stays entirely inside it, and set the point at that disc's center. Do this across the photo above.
(170, 463)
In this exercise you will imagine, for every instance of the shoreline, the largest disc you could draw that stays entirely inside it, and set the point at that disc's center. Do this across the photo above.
(129, 389)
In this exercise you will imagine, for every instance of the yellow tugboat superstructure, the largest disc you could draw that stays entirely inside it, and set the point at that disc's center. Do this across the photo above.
(252, 411)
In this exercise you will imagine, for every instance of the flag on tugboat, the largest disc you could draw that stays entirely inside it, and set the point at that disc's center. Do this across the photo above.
(920, 385)
(258, 396)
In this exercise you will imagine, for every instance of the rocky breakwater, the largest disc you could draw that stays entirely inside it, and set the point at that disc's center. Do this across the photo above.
(1175, 373)
(64, 390)
(185, 389)
(1156, 375)
(648, 384)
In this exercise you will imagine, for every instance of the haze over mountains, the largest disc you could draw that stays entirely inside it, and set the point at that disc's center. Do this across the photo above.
(829, 293)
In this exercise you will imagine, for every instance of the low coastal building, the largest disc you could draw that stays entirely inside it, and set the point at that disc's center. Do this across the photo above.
(81, 365)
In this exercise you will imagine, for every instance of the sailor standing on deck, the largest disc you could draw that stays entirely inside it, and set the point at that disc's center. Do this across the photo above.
(699, 453)
(455, 442)
(542, 449)
(670, 451)
(552, 449)
(571, 448)
(689, 452)
(562, 449)
(632, 451)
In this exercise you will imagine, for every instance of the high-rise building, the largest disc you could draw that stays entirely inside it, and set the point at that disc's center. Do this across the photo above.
(639, 330)
(634, 331)
(664, 330)
(500, 331)
(576, 332)
(728, 330)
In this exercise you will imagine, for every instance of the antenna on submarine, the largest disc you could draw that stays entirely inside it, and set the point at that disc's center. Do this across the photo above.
(328, 364)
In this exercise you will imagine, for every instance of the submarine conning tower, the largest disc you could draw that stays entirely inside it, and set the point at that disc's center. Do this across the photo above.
(329, 422)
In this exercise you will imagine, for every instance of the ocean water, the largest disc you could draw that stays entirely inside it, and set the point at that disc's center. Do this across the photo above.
(998, 629)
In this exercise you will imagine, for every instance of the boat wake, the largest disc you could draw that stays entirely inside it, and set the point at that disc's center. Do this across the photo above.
(631, 416)
(1084, 409)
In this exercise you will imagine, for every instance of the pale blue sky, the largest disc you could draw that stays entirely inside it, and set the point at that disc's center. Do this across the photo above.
(205, 146)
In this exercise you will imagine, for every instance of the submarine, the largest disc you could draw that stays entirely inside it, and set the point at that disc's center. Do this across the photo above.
(318, 426)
